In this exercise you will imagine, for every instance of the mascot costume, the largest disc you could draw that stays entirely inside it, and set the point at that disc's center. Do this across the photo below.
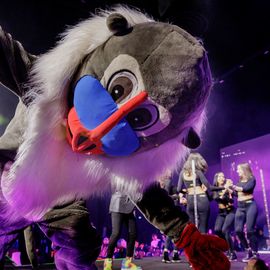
(119, 100)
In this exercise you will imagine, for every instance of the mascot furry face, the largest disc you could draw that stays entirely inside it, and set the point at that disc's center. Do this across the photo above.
(120, 99)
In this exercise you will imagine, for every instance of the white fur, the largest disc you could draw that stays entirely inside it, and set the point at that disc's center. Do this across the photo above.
(46, 171)
(49, 173)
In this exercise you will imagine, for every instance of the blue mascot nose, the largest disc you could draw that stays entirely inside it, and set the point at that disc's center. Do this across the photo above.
(94, 105)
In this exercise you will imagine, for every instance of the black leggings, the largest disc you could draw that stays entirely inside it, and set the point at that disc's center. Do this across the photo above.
(247, 213)
(118, 219)
(167, 243)
(223, 226)
(203, 207)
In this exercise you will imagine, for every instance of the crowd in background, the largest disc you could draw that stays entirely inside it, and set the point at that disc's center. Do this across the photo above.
(155, 247)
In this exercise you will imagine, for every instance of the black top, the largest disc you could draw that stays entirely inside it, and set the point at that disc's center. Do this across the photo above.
(224, 198)
(186, 183)
(248, 186)
(200, 179)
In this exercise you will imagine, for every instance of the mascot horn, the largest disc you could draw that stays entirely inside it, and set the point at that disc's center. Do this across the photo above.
(119, 100)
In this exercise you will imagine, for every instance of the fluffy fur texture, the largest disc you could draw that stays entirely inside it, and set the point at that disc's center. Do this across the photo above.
(46, 171)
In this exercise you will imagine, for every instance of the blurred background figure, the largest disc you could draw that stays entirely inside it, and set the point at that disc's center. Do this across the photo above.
(155, 245)
(121, 249)
(141, 251)
(104, 248)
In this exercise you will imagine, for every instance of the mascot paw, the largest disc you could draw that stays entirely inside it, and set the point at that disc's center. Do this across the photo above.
(203, 251)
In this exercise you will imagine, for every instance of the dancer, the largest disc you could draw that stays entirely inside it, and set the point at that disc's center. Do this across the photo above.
(226, 211)
(165, 182)
(122, 213)
(201, 189)
(246, 212)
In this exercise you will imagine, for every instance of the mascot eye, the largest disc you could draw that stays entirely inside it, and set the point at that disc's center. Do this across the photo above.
(143, 117)
(121, 85)
(118, 92)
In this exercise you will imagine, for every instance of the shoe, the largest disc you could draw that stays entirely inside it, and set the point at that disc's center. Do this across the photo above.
(166, 258)
(233, 257)
(228, 254)
(255, 255)
(127, 264)
(176, 258)
(248, 256)
(107, 264)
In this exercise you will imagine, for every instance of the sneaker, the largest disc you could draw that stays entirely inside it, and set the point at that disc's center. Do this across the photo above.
(107, 264)
(255, 255)
(176, 258)
(127, 264)
(166, 258)
(233, 257)
(248, 256)
(228, 254)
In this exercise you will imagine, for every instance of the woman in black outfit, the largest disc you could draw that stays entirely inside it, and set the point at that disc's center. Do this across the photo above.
(185, 185)
(246, 211)
(122, 212)
(226, 211)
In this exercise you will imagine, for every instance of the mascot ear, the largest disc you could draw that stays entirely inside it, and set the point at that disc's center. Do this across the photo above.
(118, 24)
(192, 139)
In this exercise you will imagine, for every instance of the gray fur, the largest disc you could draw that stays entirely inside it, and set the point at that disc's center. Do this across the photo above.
(173, 69)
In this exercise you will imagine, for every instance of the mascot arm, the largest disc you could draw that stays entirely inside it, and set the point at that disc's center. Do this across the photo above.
(12, 137)
(202, 251)
(15, 63)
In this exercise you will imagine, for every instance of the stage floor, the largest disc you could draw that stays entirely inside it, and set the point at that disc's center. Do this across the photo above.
(151, 263)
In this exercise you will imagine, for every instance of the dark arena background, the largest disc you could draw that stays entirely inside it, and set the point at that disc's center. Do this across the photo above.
(236, 36)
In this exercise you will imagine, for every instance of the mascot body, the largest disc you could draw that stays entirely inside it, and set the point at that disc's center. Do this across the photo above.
(118, 101)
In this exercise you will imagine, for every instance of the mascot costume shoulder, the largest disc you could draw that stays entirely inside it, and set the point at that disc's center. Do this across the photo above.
(119, 100)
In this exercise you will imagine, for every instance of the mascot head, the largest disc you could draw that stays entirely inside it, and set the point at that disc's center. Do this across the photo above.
(120, 99)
